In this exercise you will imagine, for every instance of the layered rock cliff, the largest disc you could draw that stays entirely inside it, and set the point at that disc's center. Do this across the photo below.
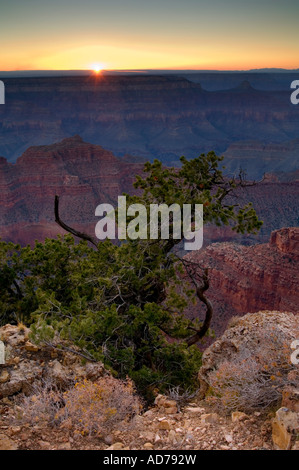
(152, 116)
(251, 278)
(84, 175)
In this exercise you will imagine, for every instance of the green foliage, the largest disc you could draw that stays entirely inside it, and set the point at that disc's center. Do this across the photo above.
(116, 303)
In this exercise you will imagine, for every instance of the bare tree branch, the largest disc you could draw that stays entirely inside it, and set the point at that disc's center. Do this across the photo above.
(71, 230)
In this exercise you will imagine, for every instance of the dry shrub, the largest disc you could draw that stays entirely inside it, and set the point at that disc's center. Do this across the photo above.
(94, 407)
(182, 397)
(256, 378)
(88, 407)
(43, 405)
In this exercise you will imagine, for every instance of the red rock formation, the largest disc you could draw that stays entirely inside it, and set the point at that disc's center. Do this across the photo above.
(286, 241)
(251, 278)
(84, 175)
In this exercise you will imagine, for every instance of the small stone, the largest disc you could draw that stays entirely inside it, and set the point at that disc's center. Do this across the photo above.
(108, 440)
(65, 446)
(148, 445)
(210, 418)
(164, 425)
(228, 438)
(31, 347)
(163, 402)
(44, 444)
(197, 409)
(171, 410)
(4, 376)
(170, 404)
(223, 447)
(238, 416)
(116, 446)
(15, 430)
(148, 436)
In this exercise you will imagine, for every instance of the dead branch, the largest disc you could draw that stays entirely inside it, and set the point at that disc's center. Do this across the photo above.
(82, 235)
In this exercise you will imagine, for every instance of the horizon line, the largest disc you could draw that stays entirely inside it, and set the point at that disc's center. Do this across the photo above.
(106, 72)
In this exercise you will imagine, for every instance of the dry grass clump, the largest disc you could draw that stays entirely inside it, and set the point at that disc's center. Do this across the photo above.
(90, 408)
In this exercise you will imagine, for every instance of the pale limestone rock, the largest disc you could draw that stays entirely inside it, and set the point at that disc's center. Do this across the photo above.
(192, 409)
(21, 378)
(284, 425)
(22, 373)
(228, 438)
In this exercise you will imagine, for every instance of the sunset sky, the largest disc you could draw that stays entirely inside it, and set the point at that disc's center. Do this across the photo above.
(155, 34)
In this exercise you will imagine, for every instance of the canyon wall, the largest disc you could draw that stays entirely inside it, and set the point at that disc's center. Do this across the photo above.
(85, 175)
(250, 278)
(156, 117)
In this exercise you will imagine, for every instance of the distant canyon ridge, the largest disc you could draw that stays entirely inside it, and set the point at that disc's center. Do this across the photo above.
(247, 117)
(85, 175)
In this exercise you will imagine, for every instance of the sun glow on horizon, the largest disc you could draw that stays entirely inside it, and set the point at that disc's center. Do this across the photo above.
(97, 68)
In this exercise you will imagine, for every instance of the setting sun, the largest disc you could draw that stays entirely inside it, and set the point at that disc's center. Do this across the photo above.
(97, 68)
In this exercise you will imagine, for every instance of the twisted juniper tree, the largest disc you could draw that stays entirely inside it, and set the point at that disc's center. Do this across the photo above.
(119, 302)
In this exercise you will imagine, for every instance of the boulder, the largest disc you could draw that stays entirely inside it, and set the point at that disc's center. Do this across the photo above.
(28, 365)
(290, 398)
(246, 336)
(285, 426)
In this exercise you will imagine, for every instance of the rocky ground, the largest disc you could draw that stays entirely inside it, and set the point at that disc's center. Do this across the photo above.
(168, 424)
(197, 427)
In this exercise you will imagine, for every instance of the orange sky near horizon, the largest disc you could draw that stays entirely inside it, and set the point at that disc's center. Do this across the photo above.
(164, 34)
